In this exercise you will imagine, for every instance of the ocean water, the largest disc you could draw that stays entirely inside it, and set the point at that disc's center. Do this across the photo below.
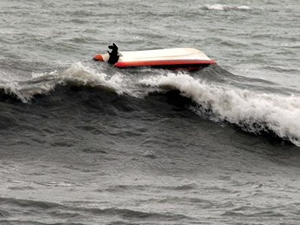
(82, 142)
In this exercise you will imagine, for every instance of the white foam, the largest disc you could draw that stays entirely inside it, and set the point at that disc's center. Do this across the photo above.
(243, 7)
(85, 75)
(220, 7)
(38, 75)
(215, 7)
(278, 113)
(13, 88)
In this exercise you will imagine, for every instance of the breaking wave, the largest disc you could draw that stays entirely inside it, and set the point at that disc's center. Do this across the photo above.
(78, 74)
(250, 110)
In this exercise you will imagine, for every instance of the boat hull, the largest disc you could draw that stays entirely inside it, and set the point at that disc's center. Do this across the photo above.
(174, 59)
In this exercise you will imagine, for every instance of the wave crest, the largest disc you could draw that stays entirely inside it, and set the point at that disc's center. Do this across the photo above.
(77, 74)
(252, 111)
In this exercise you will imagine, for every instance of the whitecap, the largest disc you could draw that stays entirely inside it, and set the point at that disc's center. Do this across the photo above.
(220, 7)
(250, 110)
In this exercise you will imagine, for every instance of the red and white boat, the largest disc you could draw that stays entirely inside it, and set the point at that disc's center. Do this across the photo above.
(172, 58)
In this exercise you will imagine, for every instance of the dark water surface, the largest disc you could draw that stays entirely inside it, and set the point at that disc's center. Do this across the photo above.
(85, 143)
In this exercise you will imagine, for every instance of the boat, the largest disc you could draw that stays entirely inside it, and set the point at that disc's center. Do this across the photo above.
(171, 58)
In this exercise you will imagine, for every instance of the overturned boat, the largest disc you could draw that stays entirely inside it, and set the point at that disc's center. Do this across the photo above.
(172, 58)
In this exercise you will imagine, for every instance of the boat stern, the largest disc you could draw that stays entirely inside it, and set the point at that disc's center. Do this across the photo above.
(101, 57)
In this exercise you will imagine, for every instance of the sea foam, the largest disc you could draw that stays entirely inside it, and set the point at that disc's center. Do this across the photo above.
(220, 7)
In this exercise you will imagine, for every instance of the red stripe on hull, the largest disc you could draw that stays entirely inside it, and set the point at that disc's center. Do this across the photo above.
(166, 63)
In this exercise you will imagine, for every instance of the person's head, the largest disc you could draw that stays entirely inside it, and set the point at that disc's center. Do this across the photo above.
(113, 46)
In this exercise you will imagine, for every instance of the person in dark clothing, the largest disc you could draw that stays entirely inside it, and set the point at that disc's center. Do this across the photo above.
(114, 54)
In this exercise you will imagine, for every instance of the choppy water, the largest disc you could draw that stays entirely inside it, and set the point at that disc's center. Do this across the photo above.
(85, 143)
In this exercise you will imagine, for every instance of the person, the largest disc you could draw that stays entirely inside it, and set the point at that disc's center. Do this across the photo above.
(114, 54)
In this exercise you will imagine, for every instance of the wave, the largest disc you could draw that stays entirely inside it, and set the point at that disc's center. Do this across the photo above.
(68, 210)
(220, 7)
(77, 75)
(251, 110)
